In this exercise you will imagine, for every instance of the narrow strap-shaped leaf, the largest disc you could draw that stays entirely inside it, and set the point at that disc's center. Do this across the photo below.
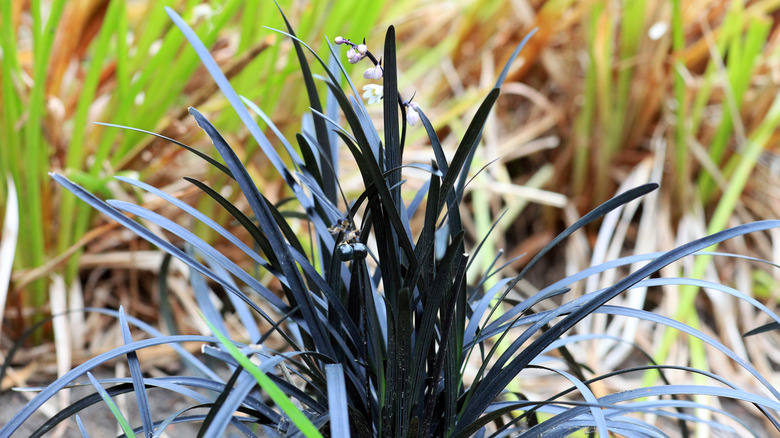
(426, 330)
(446, 347)
(82, 429)
(763, 329)
(220, 401)
(242, 310)
(33, 405)
(227, 90)
(242, 219)
(467, 144)
(328, 177)
(438, 151)
(271, 229)
(403, 357)
(138, 379)
(505, 70)
(487, 392)
(201, 217)
(157, 241)
(390, 103)
(374, 176)
(201, 245)
(112, 406)
(241, 111)
(309, 160)
(423, 250)
(591, 216)
(337, 401)
(601, 210)
(200, 154)
(242, 388)
(264, 414)
(203, 297)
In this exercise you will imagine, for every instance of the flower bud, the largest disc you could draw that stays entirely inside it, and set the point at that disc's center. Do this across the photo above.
(362, 49)
(411, 115)
(339, 40)
(374, 73)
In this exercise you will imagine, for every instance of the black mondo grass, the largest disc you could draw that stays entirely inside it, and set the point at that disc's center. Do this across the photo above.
(380, 321)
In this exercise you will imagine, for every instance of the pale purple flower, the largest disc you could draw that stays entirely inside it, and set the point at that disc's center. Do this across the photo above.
(339, 40)
(362, 48)
(373, 93)
(411, 115)
(374, 73)
(354, 57)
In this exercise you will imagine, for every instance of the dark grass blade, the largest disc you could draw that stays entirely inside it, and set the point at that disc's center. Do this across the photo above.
(601, 210)
(174, 384)
(360, 128)
(257, 235)
(591, 216)
(254, 376)
(157, 241)
(505, 70)
(337, 401)
(423, 251)
(467, 144)
(763, 329)
(293, 154)
(82, 429)
(198, 153)
(142, 401)
(272, 232)
(202, 246)
(199, 216)
(447, 356)
(230, 94)
(123, 388)
(390, 102)
(203, 298)
(34, 404)
(425, 333)
(241, 309)
(400, 361)
(165, 304)
(219, 402)
(373, 178)
(438, 151)
(500, 81)
(542, 429)
(321, 131)
(243, 113)
(538, 345)
(310, 161)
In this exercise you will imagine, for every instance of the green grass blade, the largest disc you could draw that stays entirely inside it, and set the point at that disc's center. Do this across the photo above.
(296, 416)
(112, 406)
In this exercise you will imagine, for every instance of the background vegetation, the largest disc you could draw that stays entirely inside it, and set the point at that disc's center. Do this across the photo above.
(607, 95)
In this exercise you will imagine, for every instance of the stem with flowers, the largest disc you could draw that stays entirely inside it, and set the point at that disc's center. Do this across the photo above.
(372, 92)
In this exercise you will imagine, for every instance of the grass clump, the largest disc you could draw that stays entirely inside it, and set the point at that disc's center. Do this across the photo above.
(383, 333)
